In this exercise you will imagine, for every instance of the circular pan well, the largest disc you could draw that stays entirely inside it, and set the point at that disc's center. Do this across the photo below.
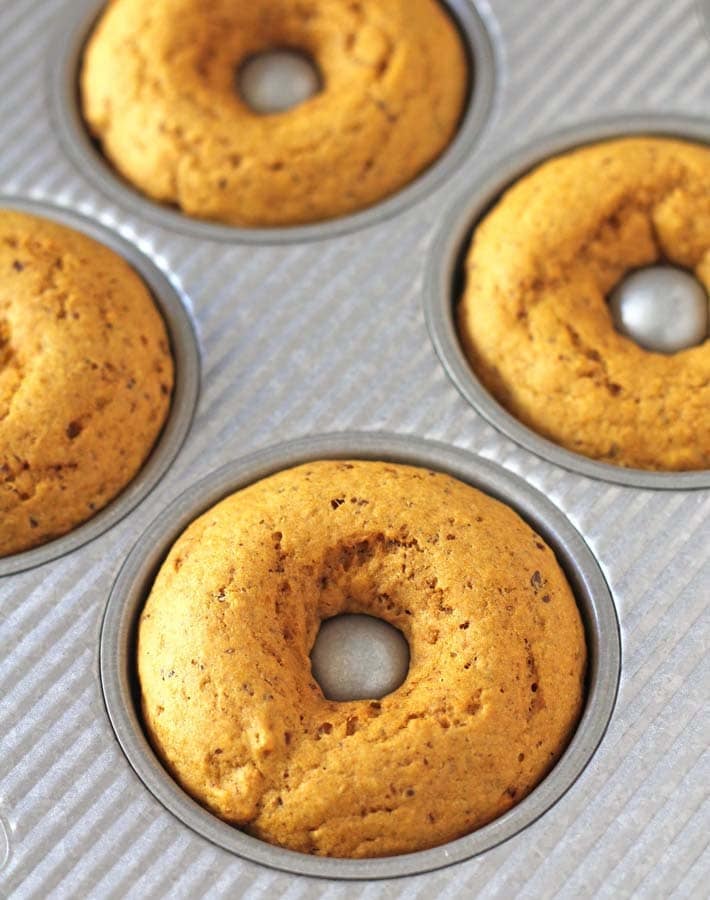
(117, 663)
(75, 23)
(443, 287)
(183, 343)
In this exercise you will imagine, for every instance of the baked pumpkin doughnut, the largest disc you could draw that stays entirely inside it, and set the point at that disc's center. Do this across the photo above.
(158, 91)
(86, 376)
(495, 682)
(534, 318)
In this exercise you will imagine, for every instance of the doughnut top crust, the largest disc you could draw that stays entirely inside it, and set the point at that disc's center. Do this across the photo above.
(534, 318)
(158, 91)
(495, 684)
(86, 377)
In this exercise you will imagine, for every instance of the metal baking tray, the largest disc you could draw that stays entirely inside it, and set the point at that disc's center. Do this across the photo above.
(322, 329)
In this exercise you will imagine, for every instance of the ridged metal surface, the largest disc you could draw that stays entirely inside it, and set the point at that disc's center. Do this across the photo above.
(327, 336)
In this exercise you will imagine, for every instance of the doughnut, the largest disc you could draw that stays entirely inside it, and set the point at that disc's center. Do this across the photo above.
(534, 317)
(158, 91)
(497, 659)
(86, 377)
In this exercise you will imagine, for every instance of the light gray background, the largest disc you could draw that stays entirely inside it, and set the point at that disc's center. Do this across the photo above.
(312, 338)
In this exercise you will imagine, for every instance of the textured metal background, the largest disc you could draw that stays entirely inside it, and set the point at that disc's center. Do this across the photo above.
(330, 335)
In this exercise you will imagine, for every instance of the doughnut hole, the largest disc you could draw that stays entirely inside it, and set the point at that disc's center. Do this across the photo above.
(357, 657)
(662, 308)
(278, 80)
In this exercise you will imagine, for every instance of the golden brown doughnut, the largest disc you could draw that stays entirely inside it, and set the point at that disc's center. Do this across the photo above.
(86, 376)
(158, 91)
(534, 318)
(493, 693)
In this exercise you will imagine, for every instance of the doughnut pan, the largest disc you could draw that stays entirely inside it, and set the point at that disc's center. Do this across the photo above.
(117, 661)
(323, 329)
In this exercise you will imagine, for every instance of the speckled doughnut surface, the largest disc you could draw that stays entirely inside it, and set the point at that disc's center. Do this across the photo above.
(495, 683)
(86, 376)
(534, 318)
(158, 89)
